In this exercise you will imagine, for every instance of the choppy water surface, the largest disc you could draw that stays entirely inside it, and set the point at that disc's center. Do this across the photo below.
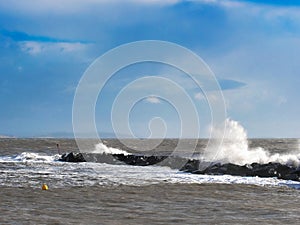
(99, 193)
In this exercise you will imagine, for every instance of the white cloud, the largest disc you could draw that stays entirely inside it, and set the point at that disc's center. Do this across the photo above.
(225, 3)
(71, 6)
(34, 48)
(268, 11)
(212, 96)
(31, 47)
(153, 100)
(199, 96)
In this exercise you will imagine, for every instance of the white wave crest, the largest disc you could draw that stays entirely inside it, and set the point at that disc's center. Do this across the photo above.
(235, 149)
(101, 148)
(29, 157)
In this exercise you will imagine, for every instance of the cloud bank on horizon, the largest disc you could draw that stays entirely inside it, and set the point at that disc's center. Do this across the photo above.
(252, 47)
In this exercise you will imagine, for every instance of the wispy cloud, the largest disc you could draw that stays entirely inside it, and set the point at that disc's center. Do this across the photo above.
(224, 3)
(71, 6)
(211, 96)
(34, 48)
(268, 9)
(153, 100)
(227, 84)
(23, 36)
(199, 96)
(35, 44)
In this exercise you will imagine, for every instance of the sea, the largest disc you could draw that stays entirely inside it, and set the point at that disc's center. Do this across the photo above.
(107, 193)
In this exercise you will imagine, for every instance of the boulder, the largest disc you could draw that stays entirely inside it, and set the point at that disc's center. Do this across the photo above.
(72, 157)
(255, 169)
(137, 160)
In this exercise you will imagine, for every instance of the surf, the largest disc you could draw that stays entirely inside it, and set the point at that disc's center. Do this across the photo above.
(235, 149)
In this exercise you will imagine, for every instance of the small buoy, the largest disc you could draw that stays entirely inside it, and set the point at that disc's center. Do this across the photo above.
(45, 187)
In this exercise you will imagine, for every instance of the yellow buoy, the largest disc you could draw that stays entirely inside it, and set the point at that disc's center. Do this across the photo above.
(45, 187)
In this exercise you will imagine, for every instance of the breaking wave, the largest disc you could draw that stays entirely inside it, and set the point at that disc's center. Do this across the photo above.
(101, 148)
(235, 149)
(29, 157)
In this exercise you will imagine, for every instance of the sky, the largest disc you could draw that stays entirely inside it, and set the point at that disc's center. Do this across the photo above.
(253, 48)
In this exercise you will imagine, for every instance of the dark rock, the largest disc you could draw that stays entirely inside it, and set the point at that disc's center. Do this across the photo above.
(137, 160)
(273, 170)
(192, 165)
(255, 169)
(72, 157)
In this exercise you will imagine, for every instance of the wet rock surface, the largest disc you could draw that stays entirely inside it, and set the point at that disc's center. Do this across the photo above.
(139, 160)
(271, 169)
(72, 157)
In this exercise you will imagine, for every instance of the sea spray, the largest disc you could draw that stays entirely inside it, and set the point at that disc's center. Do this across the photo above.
(101, 148)
(235, 149)
(30, 157)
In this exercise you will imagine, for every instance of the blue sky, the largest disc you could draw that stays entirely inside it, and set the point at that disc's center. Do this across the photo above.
(253, 47)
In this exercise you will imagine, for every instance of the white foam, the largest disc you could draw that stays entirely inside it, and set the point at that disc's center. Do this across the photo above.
(101, 148)
(235, 149)
(29, 157)
(90, 174)
(130, 175)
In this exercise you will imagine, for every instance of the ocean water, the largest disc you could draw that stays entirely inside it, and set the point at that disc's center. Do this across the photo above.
(101, 193)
